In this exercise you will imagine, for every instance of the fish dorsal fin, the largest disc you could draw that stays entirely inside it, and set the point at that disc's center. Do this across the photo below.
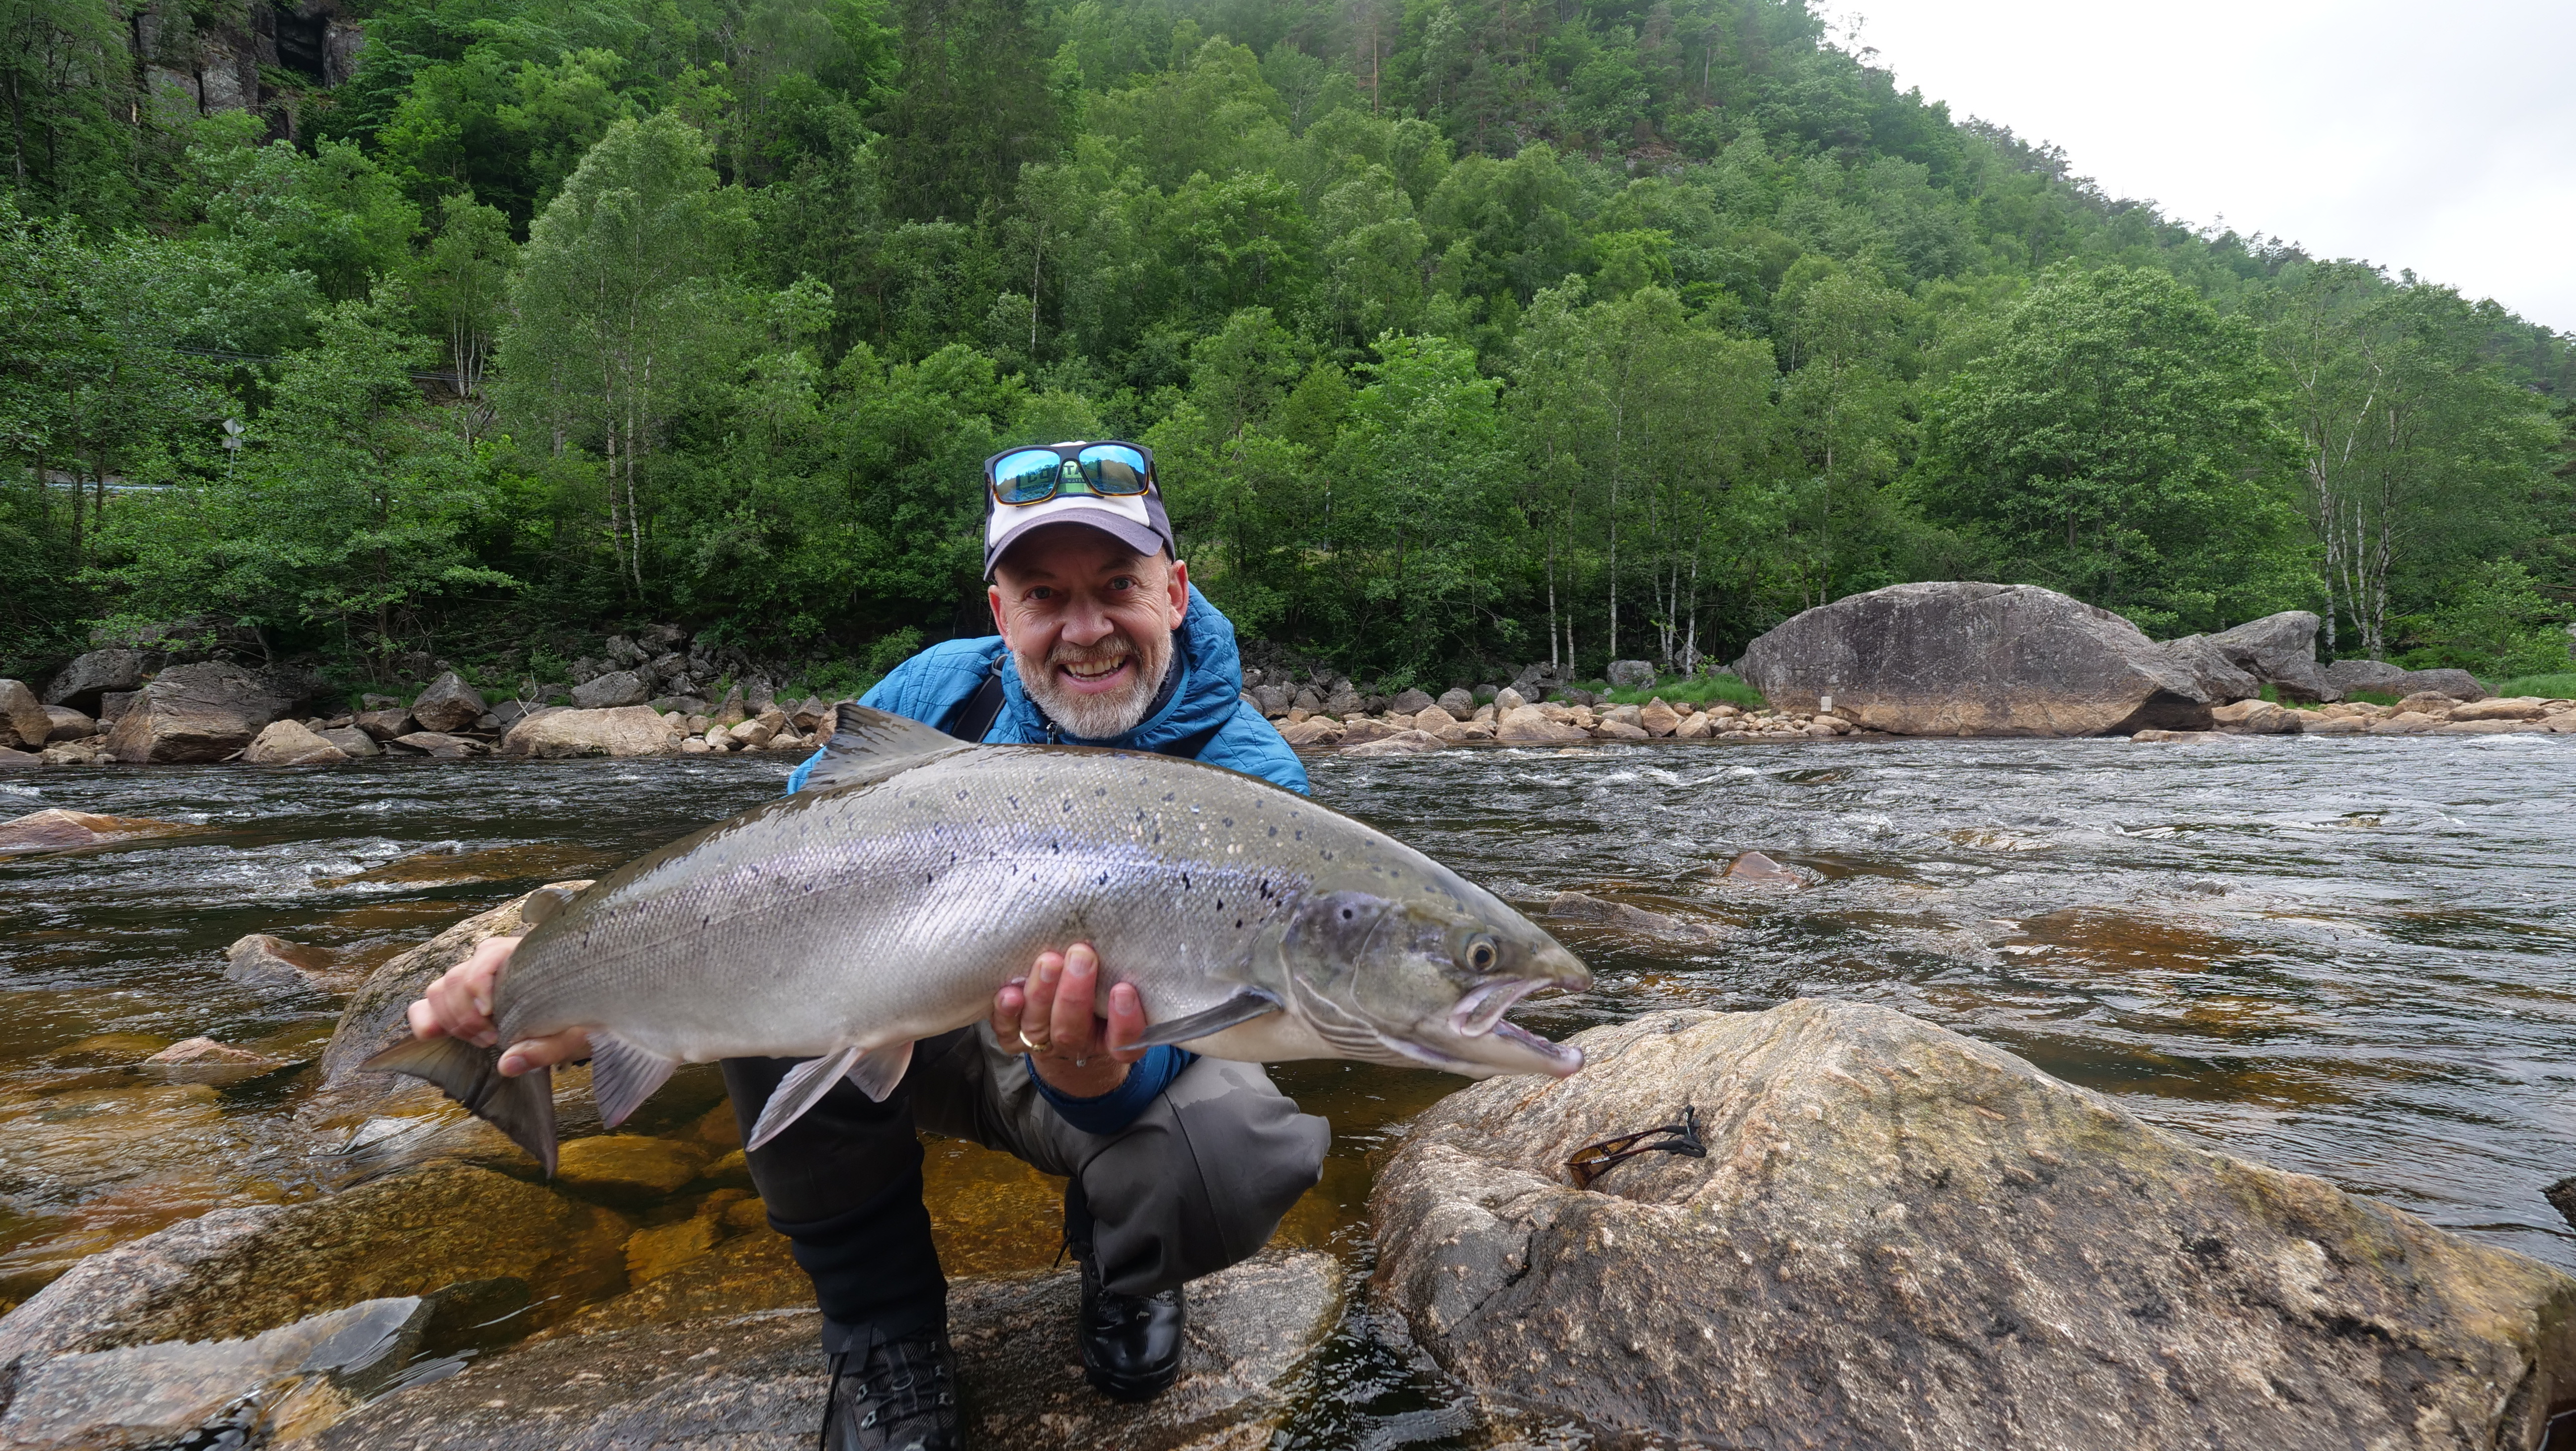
(544, 903)
(872, 744)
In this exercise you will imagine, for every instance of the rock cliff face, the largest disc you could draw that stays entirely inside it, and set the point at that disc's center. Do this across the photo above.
(1903, 1237)
(1969, 659)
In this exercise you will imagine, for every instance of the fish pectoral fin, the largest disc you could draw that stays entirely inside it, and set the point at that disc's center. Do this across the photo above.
(522, 1107)
(879, 1070)
(622, 1076)
(543, 903)
(1243, 1007)
(802, 1088)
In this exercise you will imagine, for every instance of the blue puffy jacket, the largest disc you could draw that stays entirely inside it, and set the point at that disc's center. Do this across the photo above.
(1207, 702)
(1204, 710)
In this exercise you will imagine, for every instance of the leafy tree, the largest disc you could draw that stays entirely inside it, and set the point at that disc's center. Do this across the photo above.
(2120, 444)
(461, 287)
(975, 107)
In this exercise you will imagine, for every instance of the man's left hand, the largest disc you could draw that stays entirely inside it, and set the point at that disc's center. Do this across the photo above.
(1049, 1016)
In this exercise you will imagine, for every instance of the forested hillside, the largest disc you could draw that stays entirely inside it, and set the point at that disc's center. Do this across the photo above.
(1465, 331)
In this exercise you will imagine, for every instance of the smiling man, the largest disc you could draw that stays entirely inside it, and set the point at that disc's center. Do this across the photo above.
(1179, 1166)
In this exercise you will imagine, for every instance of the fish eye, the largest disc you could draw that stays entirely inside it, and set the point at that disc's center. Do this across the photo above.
(1481, 955)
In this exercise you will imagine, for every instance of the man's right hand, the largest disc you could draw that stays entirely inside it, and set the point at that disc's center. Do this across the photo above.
(459, 1005)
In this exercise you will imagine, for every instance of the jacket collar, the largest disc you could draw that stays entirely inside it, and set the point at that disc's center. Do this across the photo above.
(1200, 694)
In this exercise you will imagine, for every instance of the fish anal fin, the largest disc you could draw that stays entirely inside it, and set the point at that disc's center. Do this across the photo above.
(521, 1107)
(879, 1070)
(1243, 1007)
(622, 1076)
(873, 743)
(802, 1088)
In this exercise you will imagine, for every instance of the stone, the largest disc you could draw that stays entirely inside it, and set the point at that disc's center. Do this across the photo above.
(238, 1272)
(1458, 703)
(1753, 868)
(1344, 703)
(2333, 726)
(1659, 719)
(2521, 707)
(628, 1169)
(623, 651)
(2219, 678)
(2491, 728)
(450, 705)
(1619, 730)
(203, 1060)
(291, 743)
(754, 1382)
(1526, 725)
(1698, 726)
(274, 965)
(2407, 723)
(632, 730)
(2457, 684)
(190, 1393)
(1536, 680)
(661, 637)
(385, 725)
(1307, 735)
(58, 829)
(201, 712)
(1974, 659)
(814, 717)
(23, 721)
(681, 705)
(374, 1018)
(68, 724)
(1630, 675)
(1595, 911)
(657, 1250)
(1901, 1236)
(2254, 718)
(1410, 702)
(1433, 719)
(438, 744)
(609, 691)
(371, 701)
(1508, 699)
(2281, 651)
(1401, 743)
(81, 683)
(755, 733)
(113, 705)
(66, 753)
(2152, 736)
(1363, 730)
(353, 742)
(2430, 702)
(731, 711)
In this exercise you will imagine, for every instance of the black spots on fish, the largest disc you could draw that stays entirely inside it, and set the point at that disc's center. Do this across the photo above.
(1099, 790)
(1104, 879)
(1220, 904)
(1185, 881)
(1274, 831)
(1068, 805)
(1167, 795)
(1229, 821)
(1238, 924)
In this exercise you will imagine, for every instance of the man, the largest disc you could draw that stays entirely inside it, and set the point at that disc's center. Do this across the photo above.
(1178, 1165)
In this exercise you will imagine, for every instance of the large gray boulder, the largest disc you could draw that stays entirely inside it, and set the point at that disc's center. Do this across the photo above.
(1900, 1236)
(201, 712)
(81, 683)
(2281, 651)
(450, 705)
(1971, 659)
(23, 722)
(2219, 677)
(2381, 678)
(1631, 675)
(605, 692)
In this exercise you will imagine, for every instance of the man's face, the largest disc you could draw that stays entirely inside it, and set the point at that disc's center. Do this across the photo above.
(1089, 624)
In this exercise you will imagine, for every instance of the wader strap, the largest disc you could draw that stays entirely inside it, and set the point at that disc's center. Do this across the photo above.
(976, 716)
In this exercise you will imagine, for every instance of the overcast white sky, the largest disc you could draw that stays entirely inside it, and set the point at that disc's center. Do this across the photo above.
(2437, 137)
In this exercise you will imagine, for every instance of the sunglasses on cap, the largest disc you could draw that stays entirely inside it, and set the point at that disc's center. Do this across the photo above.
(1046, 471)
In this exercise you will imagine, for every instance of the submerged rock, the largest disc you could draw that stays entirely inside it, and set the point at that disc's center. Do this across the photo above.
(238, 1272)
(274, 965)
(57, 829)
(1900, 1236)
(1401, 743)
(1594, 911)
(749, 1381)
(1972, 659)
(203, 1060)
(374, 1019)
(293, 1379)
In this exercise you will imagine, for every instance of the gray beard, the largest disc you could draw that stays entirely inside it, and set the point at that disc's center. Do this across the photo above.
(1095, 717)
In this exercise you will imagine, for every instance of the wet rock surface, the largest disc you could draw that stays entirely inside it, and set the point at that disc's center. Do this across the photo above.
(58, 829)
(1972, 659)
(1903, 1237)
(270, 964)
(755, 1380)
(191, 1393)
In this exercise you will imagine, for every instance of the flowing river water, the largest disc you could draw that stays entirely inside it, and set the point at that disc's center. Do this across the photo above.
(2346, 957)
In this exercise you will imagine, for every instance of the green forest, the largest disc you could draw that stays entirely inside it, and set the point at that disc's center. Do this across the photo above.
(1465, 331)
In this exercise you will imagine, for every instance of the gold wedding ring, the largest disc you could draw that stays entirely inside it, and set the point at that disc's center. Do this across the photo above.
(1032, 1047)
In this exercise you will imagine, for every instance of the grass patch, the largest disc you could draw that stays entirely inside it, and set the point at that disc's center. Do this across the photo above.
(1698, 690)
(2561, 686)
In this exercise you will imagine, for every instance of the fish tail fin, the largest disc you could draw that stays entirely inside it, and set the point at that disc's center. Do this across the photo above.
(521, 1107)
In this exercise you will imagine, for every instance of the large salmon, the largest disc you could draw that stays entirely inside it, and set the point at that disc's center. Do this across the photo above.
(917, 874)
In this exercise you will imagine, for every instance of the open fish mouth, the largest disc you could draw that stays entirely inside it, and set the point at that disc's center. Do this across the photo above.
(1480, 1013)
(1563, 1059)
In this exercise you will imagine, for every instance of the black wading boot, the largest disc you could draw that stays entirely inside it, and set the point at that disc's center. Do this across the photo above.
(893, 1395)
(1131, 1344)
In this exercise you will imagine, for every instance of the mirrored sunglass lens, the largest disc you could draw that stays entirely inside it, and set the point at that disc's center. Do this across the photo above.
(1114, 469)
(1025, 478)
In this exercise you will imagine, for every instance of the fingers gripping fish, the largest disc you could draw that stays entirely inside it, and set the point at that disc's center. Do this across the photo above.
(917, 874)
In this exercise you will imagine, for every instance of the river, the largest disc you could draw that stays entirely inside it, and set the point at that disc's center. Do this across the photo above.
(2347, 957)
